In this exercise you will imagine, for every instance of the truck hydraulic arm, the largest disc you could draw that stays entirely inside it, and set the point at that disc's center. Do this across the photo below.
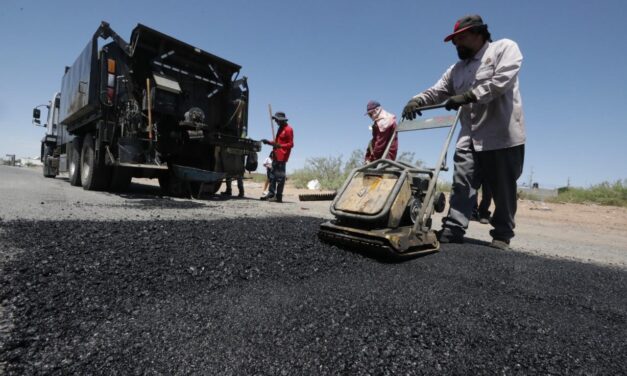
(105, 31)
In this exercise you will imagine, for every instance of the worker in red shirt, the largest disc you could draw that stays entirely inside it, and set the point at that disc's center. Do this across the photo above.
(383, 129)
(282, 145)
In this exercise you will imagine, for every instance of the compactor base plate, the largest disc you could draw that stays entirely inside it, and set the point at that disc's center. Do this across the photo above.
(396, 243)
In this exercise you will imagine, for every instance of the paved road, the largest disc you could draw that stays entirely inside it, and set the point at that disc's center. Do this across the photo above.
(136, 283)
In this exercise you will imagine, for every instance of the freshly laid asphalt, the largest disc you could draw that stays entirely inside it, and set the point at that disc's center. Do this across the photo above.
(263, 296)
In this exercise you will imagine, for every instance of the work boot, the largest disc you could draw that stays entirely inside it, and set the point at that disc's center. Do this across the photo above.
(266, 197)
(446, 236)
(500, 244)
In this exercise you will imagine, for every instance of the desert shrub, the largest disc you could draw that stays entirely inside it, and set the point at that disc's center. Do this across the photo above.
(328, 171)
(605, 193)
(331, 172)
(524, 195)
(443, 186)
(256, 176)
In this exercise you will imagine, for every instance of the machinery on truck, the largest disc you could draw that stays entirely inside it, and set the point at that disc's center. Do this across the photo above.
(156, 108)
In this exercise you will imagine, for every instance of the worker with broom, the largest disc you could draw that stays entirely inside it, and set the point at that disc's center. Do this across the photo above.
(282, 147)
(383, 129)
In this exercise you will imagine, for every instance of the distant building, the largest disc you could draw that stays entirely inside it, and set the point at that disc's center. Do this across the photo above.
(10, 161)
(32, 161)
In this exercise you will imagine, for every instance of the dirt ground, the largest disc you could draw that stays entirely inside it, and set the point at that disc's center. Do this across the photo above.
(596, 217)
(589, 233)
(584, 232)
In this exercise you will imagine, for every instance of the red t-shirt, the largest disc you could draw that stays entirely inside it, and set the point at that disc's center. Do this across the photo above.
(285, 142)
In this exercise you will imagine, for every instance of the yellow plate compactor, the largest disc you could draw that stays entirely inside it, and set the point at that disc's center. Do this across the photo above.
(384, 208)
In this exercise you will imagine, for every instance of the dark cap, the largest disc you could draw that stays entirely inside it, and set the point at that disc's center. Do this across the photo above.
(465, 23)
(371, 106)
(279, 116)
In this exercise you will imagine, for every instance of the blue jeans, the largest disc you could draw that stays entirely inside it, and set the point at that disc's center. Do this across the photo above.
(240, 185)
(277, 179)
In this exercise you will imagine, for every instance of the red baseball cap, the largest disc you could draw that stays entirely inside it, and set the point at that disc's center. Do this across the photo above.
(465, 23)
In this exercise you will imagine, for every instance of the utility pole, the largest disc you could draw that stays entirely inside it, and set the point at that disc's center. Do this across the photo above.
(531, 177)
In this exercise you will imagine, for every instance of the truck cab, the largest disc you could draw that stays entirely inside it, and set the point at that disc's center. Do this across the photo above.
(53, 137)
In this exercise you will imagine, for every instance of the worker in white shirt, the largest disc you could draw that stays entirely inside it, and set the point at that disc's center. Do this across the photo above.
(491, 143)
(267, 163)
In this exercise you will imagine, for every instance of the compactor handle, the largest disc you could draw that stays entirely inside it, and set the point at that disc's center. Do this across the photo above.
(431, 107)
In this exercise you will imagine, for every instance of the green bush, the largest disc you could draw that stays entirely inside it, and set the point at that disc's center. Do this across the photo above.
(606, 193)
(522, 195)
(331, 172)
(328, 171)
(443, 186)
(408, 157)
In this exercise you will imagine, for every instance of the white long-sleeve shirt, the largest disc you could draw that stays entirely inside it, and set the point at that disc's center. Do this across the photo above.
(496, 120)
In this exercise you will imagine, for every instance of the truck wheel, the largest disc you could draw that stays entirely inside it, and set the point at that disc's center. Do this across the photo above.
(94, 175)
(120, 179)
(212, 188)
(48, 170)
(164, 183)
(75, 162)
(172, 186)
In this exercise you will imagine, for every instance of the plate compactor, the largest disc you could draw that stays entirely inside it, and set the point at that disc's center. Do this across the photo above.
(384, 208)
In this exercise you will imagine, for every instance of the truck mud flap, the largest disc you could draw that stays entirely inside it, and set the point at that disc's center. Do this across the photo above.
(195, 174)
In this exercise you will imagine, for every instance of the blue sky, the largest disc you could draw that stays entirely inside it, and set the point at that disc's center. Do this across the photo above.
(322, 61)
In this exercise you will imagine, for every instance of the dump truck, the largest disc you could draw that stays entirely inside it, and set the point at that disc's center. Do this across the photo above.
(154, 107)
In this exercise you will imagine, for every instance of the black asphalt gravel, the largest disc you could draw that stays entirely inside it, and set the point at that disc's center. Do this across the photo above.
(264, 296)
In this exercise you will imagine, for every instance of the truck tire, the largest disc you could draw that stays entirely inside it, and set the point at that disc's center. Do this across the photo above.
(74, 168)
(212, 188)
(47, 169)
(172, 186)
(94, 176)
(120, 179)
(164, 184)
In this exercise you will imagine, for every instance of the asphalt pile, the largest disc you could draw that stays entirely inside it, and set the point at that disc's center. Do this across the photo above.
(264, 297)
